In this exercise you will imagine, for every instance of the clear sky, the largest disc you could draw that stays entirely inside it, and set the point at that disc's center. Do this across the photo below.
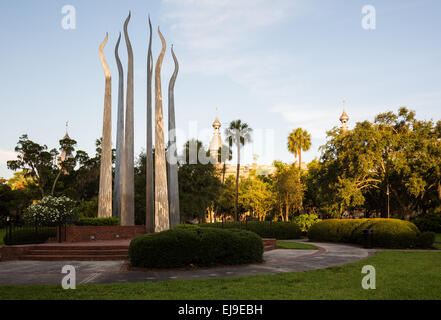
(277, 65)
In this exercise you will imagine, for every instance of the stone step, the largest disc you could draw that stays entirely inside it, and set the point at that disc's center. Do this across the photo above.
(74, 257)
(45, 252)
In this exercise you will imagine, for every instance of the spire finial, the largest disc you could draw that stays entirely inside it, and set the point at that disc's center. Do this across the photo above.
(67, 125)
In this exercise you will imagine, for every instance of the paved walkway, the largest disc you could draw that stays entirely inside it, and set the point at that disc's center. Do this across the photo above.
(276, 261)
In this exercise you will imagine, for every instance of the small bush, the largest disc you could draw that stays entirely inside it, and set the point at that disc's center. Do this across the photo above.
(428, 222)
(51, 211)
(88, 209)
(277, 230)
(305, 221)
(184, 246)
(387, 233)
(97, 222)
(425, 240)
(30, 236)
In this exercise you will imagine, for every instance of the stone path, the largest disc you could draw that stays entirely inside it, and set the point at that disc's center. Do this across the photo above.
(276, 261)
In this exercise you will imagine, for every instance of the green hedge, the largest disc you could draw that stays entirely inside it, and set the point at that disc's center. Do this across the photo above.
(428, 222)
(30, 236)
(97, 222)
(387, 233)
(425, 240)
(277, 230)
(185, 246)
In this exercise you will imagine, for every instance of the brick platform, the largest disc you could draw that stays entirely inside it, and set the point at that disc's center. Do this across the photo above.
(97, 233)
(269, 244)
(75, 251)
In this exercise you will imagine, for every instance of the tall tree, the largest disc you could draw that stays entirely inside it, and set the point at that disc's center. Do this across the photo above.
(37, 162)
(224, 154)
(288, 189)
(238, 133)
(299, 140)
(199, 185)
(66, 165)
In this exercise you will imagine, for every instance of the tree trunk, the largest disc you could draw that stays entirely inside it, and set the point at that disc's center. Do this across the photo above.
(300, 159)
(55, 182)
(223, 173)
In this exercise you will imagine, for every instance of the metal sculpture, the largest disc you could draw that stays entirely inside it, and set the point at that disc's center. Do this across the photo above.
(162, 221)
(128, 185)
(119, 161)
(105, 188)
(150, 196)
(173, 186)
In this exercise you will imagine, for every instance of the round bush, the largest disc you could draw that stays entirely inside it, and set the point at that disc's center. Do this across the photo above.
(277, 230)
(387, 233)
(390, 233)
(184, 246)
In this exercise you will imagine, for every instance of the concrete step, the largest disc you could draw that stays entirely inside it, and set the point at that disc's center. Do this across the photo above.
(74, 257)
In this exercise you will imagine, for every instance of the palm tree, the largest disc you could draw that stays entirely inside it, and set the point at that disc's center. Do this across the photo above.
(238, 133)
(299, 140)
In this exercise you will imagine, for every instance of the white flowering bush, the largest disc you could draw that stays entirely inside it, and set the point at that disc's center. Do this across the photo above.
(51, 211)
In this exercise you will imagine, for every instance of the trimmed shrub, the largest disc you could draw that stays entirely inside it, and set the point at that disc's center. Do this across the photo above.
(425, 240)
(185, 246)
(30, 236)
(277, 230)
(387, 233)
(111, 221)
(334, 230)
(428, 222)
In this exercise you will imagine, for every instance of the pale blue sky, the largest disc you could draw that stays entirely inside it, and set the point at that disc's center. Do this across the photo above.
(276, 64)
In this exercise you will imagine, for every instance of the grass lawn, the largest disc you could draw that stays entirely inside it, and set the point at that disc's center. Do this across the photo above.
(295, 245)
(399, 275)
